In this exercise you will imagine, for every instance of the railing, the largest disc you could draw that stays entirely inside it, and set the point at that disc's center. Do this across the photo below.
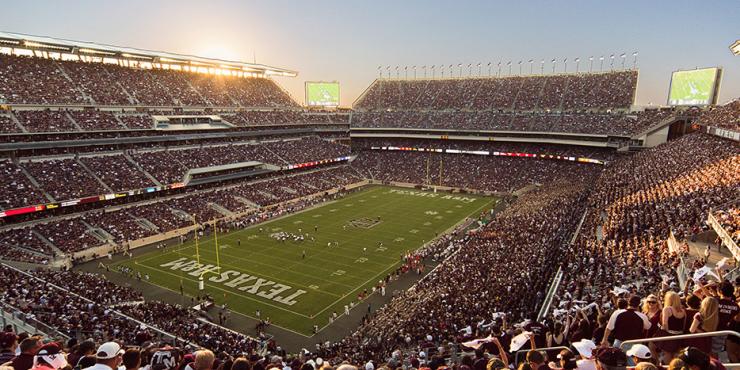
(686, 336)
(10, 315)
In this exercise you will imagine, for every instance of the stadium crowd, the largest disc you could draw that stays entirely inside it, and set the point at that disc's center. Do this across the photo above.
(624, 124)
(31, 80)
(724, 116)
(610, 90)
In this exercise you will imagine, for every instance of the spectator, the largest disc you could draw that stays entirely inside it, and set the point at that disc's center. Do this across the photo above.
(705, 321)
(109, 357)
(627, 324)
(50, 357)
(8, 345)
(204, 360)
(131, 359)
(28, 347)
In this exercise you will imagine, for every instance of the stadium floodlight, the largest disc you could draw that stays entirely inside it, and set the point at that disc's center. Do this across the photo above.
(553, 65)
(459, 65)
(590, 63)
(478, 69)
(499, 69)
(601, 65)
(735, 48)
(470, 69)
(565, 65)
(578, 60)
(509, 64)
(611, 62)
(414, 68)
(489, 69)
(623, 56)
(542, 67)
(530, 65)
(634, 61)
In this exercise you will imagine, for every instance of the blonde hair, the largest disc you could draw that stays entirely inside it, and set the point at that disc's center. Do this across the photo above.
(677, 364)
(709, 312)
(203, 360)
(673, 301)
(645, 366)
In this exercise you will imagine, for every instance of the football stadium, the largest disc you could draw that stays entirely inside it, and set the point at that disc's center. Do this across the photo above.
(167, 202)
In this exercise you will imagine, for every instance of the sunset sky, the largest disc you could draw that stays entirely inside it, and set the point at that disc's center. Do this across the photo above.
(347, 40)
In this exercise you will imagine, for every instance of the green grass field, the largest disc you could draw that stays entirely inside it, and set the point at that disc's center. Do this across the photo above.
(259, 272)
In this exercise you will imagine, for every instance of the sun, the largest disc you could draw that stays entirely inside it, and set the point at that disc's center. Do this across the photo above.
(219, 51)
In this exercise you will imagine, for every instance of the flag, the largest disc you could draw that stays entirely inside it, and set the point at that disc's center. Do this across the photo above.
(477, 343)
(518, 341)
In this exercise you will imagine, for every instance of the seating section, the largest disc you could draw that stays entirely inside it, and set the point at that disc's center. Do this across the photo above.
(609, 90)
(15, 188)
(725, 116)
(584, 123)
(30, 80)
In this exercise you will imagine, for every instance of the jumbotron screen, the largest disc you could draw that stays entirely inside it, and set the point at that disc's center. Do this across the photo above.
(322, 94)
(694, 87)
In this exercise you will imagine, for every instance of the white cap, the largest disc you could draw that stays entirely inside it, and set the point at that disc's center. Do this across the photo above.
(369, 366)
(640, 351)
(109, 350)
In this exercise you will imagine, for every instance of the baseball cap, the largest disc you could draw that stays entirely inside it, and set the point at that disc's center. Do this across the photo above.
(49, 349)
(109, 350)
(611, 356)
(7, 339)
(640, 351)
(585, 347)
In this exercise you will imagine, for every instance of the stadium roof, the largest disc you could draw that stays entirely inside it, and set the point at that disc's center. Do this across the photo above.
(19, 40)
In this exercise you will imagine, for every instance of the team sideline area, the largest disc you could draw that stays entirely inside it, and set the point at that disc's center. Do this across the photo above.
(308, 268)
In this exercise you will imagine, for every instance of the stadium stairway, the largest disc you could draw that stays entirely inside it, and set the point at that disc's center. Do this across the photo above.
(33, 181)
(221, 209)
(91, 173)
(74, 122)
(18, 123)
(138, 167)
(247, 202)
(48, 242)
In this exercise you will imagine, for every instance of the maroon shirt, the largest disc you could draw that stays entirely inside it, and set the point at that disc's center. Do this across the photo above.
(728, 309)
(24, 361)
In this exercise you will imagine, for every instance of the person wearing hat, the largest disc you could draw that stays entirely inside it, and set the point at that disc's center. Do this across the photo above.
(108, 357)
(640, 353)
(29, 347)
(695, 359)
(49, 357)
(8, 344)
(610, 358)
(627, 324)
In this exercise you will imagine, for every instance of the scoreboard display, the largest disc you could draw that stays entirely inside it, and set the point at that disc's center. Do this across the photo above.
(694, 87)
(322, 94)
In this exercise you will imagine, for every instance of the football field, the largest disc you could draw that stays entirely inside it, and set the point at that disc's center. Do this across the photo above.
(300, 268)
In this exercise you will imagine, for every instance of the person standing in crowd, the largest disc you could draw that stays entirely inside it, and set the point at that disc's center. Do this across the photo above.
(626, 324)
(729, 314)
(49, 357)
(29, 347)
(651, 308)
(705, 321)
(204, 360)
(8, 344)
(85, 348)
(108, 357)
(672, 322)
(132, 359)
